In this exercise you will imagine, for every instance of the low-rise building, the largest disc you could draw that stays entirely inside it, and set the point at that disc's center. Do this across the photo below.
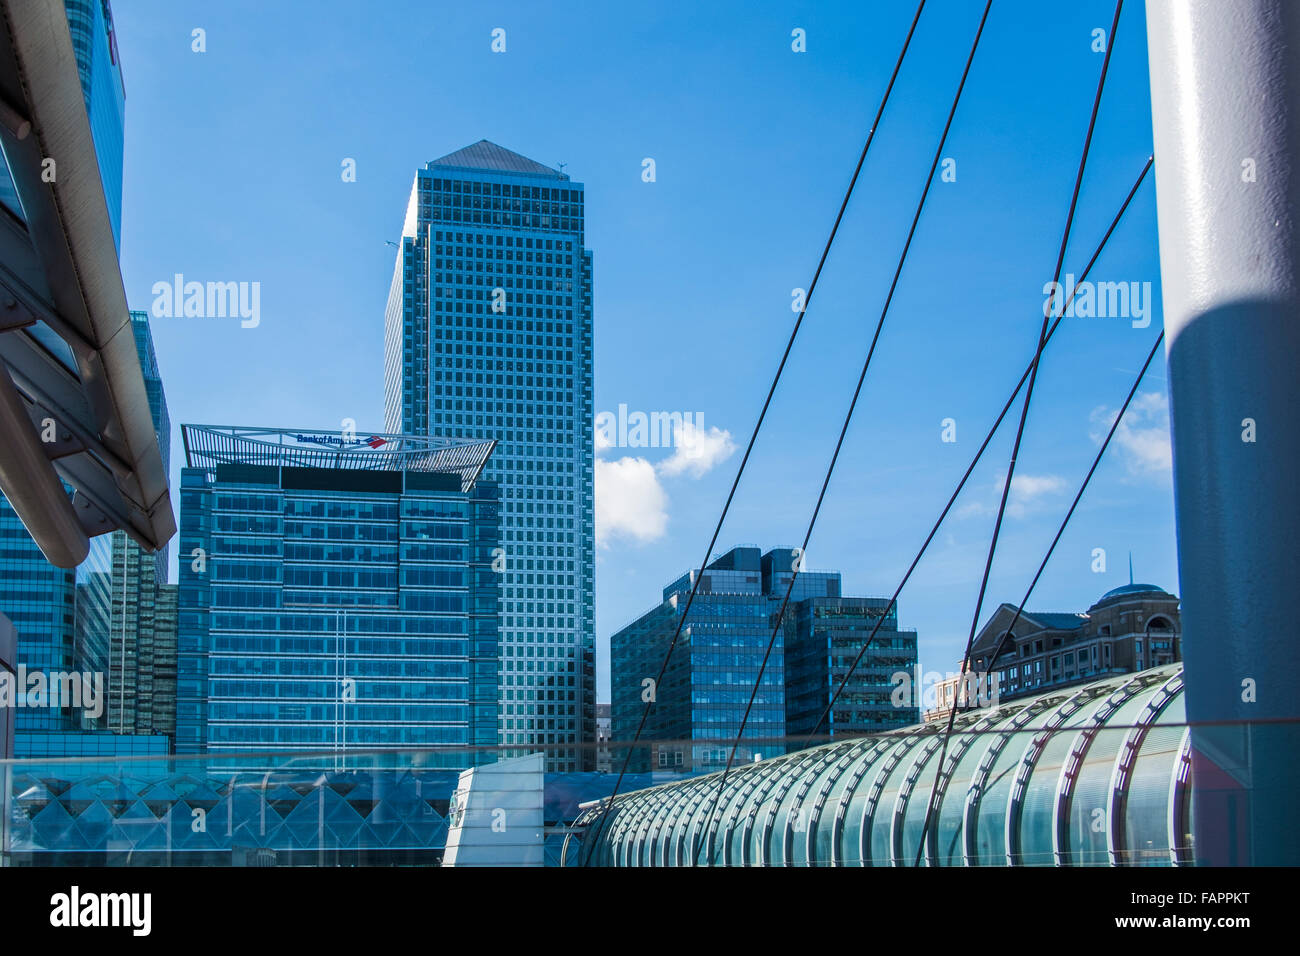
(1131, 628)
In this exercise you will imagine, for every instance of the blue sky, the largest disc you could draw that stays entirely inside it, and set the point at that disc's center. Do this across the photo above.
(232, 173)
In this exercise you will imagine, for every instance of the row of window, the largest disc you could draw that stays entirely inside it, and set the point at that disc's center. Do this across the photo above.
(329, 712)
(431, 185)
(325, 735)
(421, 669)
(357, 647)
(369, 623)
(364, 689)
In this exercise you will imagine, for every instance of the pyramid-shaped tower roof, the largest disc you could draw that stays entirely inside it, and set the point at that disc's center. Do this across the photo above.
(488, 155)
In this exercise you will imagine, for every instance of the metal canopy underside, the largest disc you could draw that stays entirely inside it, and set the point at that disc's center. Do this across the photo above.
(65, 330)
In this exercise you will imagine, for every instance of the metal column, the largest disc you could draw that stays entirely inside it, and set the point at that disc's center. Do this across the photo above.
(1225, 84)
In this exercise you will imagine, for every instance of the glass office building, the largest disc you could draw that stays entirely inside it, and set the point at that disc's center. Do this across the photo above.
(823, 638)
(700, 702)
(63, 618)
(488, 336)
(337, 593)
(1093, 776)
(42, 603)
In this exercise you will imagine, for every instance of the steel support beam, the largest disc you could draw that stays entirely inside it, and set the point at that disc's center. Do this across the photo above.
(1225, 81)
(67, 338)
(32, 487)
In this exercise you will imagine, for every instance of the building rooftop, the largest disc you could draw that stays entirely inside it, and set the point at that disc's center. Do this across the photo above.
(488, 155)
(207, 446)
(1058, 620)
(1128, 589)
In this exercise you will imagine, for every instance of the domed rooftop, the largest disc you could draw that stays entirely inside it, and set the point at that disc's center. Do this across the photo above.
(1131, 589)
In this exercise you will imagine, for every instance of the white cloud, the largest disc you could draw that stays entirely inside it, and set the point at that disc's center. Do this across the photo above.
(1142, 438)
(1027, 491)
(1025, 488)
(697, 450)
(630, 503)
(1027, 495)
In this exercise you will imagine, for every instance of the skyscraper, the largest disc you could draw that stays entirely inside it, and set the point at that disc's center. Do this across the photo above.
(488, 335)
(704, 693)
(336, 594)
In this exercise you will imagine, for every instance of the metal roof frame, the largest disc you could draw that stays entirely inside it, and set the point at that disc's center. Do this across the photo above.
(207, 446)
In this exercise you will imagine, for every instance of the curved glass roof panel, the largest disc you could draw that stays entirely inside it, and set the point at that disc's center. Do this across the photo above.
(1093, 775)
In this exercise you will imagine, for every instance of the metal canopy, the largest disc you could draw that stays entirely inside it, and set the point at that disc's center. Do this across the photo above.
(65, 330)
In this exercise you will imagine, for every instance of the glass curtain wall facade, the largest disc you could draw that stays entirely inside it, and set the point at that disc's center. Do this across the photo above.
(142, 658)
(823, 638)
(1096, 776)
(143, 645)
(336, 608)
(488, 335)
(41, 602)
(90, 23)
(63, 618)
(700, 703)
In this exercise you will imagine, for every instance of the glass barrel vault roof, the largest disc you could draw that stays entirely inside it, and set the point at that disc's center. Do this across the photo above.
(1093, 775)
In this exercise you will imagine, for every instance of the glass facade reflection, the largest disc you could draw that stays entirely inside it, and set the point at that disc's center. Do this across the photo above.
(62, 617)
(1093, 776)
(90, 23)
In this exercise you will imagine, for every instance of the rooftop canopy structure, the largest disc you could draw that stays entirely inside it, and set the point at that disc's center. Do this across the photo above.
(207, 446)
(73, 404)
(1094, 775)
